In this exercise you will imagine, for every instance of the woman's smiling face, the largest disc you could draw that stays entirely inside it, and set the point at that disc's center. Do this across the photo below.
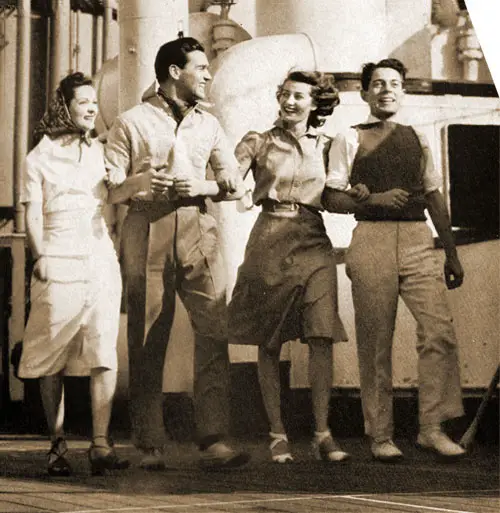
(83, 107)
(296, 102)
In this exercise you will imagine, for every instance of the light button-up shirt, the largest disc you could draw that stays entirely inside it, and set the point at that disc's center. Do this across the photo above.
(148, 135)
(285, 168)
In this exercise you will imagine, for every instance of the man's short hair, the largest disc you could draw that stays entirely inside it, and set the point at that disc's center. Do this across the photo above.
(174, 52)
(370, 67)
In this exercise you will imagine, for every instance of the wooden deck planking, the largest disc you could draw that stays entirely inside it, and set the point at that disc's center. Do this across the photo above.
(362, 486)
(44, 503)
(10, 507)
(73, 501)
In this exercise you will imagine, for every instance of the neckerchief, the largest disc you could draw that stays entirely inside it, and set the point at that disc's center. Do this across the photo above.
(174, 107)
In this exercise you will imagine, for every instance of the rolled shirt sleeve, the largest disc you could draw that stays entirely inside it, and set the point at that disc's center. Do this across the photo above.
(340, 159)
(343, 151)
(117, 152)
(31, 190)
(222, 160)
(246, 150)
(432, 178)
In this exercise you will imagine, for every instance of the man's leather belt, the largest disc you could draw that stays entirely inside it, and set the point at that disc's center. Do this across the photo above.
(168, 206)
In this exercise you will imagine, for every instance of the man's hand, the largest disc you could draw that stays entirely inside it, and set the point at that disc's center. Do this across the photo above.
(453, 272)
(158, 181)
(395, 198)
(188, 187)
(359, 192)
(40, 269)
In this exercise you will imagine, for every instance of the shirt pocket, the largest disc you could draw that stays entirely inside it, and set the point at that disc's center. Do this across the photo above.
(201, 153)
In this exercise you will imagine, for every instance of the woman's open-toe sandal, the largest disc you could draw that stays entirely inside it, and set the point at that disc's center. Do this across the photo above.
(280, 451)
(58, 465)
(326, 448)
(103, 458)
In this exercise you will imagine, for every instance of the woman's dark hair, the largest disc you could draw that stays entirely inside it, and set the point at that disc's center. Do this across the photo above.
(323, 91)
(370, 67)
(174, 52)
(71, 82)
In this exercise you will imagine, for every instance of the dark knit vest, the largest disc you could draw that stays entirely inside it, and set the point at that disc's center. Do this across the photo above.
(390, 156)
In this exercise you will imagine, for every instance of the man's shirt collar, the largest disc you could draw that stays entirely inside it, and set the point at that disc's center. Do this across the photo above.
(374, 119)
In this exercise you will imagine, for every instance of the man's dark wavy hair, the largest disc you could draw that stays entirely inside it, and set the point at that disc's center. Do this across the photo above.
(323, 91)
(368, 69)
(174, 52)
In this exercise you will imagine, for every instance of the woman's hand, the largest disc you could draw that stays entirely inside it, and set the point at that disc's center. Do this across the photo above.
(226, 182)
(114, 178)
(40, 269)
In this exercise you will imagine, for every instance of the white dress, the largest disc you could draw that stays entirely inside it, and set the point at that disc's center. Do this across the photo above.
(74, 317)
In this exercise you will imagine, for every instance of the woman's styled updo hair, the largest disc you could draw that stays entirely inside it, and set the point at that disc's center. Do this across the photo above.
(71, 82)
(323, 91)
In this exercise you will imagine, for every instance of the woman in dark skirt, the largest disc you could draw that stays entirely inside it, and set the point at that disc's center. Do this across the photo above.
(287, 285)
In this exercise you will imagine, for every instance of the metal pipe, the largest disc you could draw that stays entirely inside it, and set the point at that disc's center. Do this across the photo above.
(106, 27)
(469, 50)
(144, 27)
(96, 63)
(21, 118)
(74, 47)
(60, 43)
(328, 22)
(22, 104)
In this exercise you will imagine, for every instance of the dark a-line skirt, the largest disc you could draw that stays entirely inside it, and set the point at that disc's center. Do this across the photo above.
(286, 287)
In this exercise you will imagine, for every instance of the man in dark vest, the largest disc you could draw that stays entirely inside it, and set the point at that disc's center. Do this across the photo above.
(392, 254)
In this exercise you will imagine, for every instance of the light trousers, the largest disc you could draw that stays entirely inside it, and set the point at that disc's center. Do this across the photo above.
(384, 261)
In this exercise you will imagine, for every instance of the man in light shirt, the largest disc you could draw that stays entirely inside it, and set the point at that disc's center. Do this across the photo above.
(156, 156)
(391, 255)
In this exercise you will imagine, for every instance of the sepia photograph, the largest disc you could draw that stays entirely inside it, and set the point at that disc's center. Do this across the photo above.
(249, 256)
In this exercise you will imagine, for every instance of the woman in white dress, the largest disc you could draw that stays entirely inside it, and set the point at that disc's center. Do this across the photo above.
(76, 286)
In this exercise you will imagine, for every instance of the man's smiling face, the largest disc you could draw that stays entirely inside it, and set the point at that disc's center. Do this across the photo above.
(385, 92)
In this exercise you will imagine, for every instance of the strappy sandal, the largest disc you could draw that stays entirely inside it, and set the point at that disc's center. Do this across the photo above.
(280, 451)
(58, 465)
(326, 448)
(103, 458)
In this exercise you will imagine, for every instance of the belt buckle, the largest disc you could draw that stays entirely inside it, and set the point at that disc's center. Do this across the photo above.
(289, 206)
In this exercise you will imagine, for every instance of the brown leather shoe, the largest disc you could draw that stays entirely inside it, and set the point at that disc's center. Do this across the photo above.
(103, 458)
